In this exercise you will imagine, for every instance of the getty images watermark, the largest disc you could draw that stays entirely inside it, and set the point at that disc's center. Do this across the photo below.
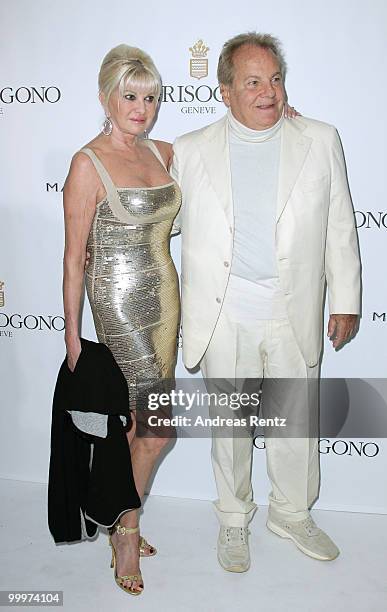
(216, 402)
(288, 408)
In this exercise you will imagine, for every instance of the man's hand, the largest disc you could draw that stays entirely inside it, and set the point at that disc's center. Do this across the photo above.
(87, 260)
(290, 112)
(341, 327)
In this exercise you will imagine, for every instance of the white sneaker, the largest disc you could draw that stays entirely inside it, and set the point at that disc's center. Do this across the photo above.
(233, 549)
(306, 535)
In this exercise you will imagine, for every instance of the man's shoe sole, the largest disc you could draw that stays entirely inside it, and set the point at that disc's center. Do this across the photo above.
(238, 569)
(285, 534)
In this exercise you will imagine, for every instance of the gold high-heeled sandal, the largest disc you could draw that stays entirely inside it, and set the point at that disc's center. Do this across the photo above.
(144, 545)
(121, 579)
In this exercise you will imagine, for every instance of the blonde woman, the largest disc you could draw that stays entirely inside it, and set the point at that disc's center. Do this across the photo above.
(119, 204)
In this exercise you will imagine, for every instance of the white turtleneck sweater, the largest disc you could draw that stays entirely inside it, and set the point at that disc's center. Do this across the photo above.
(254, 157)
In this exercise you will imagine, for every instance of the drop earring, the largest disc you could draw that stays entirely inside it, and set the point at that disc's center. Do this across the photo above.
(107, 127)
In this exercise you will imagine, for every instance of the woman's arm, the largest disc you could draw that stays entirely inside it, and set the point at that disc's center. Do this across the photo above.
(79, 201)
(166, 152)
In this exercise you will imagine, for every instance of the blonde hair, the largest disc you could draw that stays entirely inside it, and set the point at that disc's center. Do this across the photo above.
(264, 41)
(127, 66)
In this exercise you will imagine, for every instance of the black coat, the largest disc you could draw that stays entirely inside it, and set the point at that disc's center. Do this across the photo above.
(106, 489)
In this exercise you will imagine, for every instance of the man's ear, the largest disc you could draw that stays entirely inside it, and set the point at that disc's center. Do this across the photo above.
(225, 93)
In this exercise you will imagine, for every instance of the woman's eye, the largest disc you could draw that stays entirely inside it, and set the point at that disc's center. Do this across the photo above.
(150, 98)
(129, 97)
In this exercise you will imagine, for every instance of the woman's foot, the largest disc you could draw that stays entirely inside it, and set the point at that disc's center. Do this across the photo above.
(126, 553)
(146, 549)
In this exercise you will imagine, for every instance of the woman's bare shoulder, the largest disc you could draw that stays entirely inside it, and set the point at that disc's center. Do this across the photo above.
(81, 161)
(163, 145)
(165, 149)
(82, 173)
(96, 144)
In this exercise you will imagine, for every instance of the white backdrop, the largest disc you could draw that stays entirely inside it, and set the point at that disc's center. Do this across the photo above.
(51, 52)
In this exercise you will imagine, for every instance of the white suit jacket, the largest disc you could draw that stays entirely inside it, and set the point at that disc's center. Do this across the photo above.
(315, 239)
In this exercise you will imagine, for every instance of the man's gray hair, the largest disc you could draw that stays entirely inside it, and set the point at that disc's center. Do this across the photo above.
(264, 41)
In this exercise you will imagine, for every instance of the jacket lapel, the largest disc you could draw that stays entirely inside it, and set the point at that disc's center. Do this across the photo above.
(294, 149)
(214, 149)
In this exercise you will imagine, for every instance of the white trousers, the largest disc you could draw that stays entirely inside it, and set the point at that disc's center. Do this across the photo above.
(261, 349)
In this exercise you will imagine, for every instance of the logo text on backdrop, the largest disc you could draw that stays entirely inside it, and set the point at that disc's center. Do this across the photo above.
(189, 94)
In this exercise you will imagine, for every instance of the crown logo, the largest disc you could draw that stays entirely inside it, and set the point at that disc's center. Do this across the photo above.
(198, 65)
(199, 49)
(2, 298)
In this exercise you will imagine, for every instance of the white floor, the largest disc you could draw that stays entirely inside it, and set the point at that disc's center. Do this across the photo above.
(185, 574)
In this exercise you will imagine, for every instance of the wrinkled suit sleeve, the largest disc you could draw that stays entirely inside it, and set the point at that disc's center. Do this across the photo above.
(342, 261)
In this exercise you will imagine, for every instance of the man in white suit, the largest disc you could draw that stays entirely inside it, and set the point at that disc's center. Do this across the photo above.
(266, 221)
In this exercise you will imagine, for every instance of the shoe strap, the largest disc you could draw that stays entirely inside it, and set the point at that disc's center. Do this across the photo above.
(144, 544)
(133, 577)
(126, 530)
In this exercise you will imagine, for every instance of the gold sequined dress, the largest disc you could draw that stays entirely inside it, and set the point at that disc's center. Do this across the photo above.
(131, 281)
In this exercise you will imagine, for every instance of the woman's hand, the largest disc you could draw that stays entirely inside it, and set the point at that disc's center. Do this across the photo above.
(73, 347)
(290, 112)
